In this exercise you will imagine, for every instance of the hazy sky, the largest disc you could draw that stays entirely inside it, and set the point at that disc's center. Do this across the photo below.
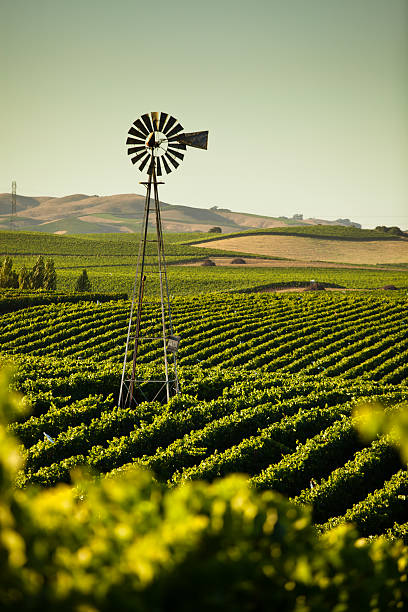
(305, 101)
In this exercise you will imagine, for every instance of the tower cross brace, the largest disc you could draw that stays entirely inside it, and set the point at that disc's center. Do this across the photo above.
(131, 388)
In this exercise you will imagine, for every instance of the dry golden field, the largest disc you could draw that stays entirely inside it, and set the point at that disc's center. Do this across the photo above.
(317, 249)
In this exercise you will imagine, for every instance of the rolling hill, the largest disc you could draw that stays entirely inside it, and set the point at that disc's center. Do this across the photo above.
(122, 213)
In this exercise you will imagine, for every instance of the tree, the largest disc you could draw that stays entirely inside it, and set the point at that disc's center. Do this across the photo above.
(8, 278)
(215, 230)
(38, 274)
(24, 278)
(394, 230)
(50, 276)
(83, 283)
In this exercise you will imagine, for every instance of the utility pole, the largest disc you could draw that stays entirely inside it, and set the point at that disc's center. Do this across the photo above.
(13, 205)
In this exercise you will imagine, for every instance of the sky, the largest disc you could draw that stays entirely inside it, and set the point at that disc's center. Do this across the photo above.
(306, 101)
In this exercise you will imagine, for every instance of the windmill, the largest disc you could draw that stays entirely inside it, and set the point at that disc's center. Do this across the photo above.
(155, 143)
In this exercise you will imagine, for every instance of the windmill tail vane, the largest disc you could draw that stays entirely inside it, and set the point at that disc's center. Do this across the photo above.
(156, 142)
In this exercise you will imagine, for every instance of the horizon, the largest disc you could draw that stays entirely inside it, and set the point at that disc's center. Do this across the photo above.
(173, 204)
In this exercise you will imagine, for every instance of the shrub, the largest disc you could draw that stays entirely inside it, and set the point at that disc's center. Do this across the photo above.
(24, 279)
(38, 274)
(50, 276)
(83, 283)
(8, 278)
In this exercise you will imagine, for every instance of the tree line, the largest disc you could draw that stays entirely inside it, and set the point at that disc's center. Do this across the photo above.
(41, 276)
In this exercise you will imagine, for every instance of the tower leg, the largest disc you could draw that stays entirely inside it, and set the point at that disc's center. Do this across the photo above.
(128, 395)
(160, 249)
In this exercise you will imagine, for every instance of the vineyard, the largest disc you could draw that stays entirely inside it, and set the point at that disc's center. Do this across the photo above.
(270, 384)
(193, 493)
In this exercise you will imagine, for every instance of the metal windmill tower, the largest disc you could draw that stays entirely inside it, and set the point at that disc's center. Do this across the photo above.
(155, 143)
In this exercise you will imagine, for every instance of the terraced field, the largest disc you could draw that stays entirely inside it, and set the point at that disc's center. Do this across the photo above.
(269, 385)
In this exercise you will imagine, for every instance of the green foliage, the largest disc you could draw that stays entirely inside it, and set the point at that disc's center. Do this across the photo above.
(13, 300)
(83, 283)
(112, 260)
(374, 420)
(194, 280)
(328, 232)
(325, 335)
(38, 274)
(127, 542)
(380, 510)
(365, 472)
(50, 276)
(269, 384)
(394, 230)
(42, 276)
(8, 278)
(24, 279)
(117, 246)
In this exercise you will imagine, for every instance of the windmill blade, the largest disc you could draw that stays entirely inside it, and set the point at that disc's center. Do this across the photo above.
(175, 145)
(199, 140)
(137, 133)
(163, 117)
(166, 165)
(159, 170)
(144, 162)
(170, 122)
(147, 121)
(176, 153)
(173, 161)
(140, 125)
(155, 121)
(175, 130)
(135, 141)
(169, 147)
(139, 156)
(135, 150)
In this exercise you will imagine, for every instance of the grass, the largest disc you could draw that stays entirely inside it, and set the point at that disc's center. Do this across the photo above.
(331, 232)
(185, 280)
(100, 245)
(110, 260)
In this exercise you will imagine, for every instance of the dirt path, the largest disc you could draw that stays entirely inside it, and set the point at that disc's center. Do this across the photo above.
(301, 289)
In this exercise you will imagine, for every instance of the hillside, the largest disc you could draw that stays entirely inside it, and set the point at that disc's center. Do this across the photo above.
(122, 213)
